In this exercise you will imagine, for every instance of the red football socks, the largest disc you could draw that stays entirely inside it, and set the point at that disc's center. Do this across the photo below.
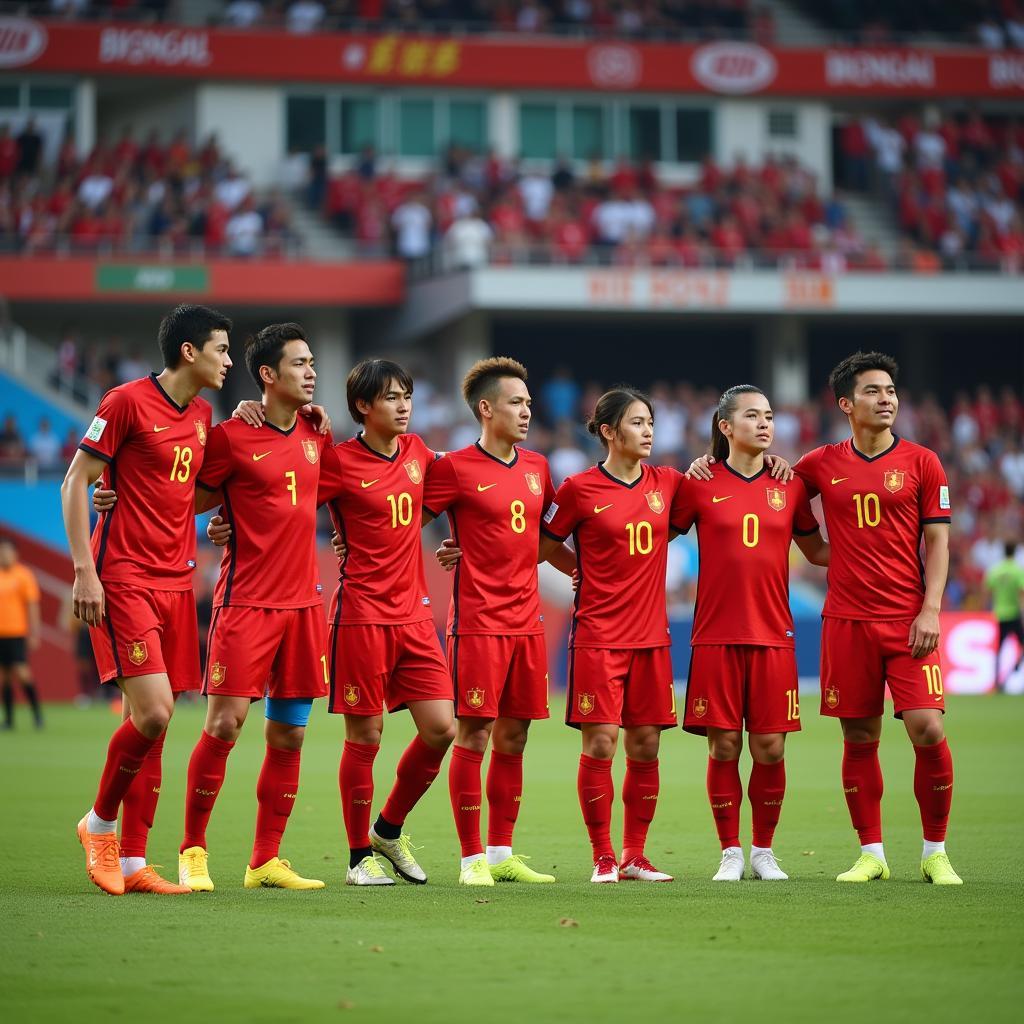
(766, 791)
(504, 793)
(355, 780)
(276, 791)
(417, 769)
(206, 769)
(640, 800)
(596, 792)
(933, 787)
(862, 785)
(466, 796)
(725, 793)
(138, 808)
(125, 753)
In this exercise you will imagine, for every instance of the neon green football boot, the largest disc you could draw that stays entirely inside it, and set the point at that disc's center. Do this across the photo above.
(866, 869)
(937, 870)
(513, 869)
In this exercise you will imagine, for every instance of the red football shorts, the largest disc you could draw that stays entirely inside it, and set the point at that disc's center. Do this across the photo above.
(621, 686)
(857, 660)
(267, 652)
(148, 632)
(736, 683)
(499, 676)
(375, 666)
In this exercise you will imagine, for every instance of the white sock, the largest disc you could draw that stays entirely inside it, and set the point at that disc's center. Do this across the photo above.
(875, 849)
(466, 861)
(129, 865)
(930, 848)
(496, 854)
(97, 825)
(759, 849)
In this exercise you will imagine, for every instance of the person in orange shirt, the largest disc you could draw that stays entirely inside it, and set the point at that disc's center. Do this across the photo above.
(19, 631)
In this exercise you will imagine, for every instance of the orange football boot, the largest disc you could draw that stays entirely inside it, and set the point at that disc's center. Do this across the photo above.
(147, 880)
(102, 859)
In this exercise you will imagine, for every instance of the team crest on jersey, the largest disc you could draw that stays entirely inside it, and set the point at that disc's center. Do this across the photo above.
(412, 467)
(656, 501)
(776, 498)
(351, 694)
(217, 673)
(586, 703)
(893, 480)
(475, 697)
(200, 431)
(311, 450)
(700, 707)
(138, 652)
(832, 696)
(533, 482)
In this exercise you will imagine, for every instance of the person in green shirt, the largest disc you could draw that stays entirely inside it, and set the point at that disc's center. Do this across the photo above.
(1006, 582)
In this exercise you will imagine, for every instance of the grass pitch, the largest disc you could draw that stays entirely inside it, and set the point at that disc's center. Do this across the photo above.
(805, 950)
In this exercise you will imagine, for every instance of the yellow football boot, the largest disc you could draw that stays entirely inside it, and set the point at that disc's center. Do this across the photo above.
(866, 869)
(194, 869)
(278, 874)
(937, 870)
(512, 869)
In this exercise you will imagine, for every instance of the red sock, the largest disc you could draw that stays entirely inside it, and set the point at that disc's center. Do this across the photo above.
(125, 753)
(933, 787)
(504, 793)
(766, 791)
(276, 790)
(640, 799)
(862, 784)
(355, 780)
(725, 792)
(466, 796)
(417, 769)
(138, 808)
(596, 792)
(206, 769)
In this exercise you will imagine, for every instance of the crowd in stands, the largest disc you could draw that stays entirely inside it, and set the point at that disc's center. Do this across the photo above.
(133, 195)
(483, 208)
(955, 184)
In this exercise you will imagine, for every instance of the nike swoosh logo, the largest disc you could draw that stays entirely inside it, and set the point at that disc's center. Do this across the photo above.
(839, 479)
(594, 799)
(483, 487)
(598, 509)
(368, 483)
(156, 430)
(256, 458)
(715, 501)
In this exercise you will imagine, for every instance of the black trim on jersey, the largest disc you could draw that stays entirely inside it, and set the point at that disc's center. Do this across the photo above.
(553, 536)
(205, 486)
(230, 582)
(621, 483)
(431, 512)
(92, 451)
(113, 647)
(205, 689)
(339, 525)
(686, 700)
(283, 433)
(806, 533)
(500, 462)
(937, 519)
(108, 517)
(380, 455)
(745, 479)
(458, 575)
(454, 670)
(874, 458)
(167, 397)
(333, 667)
(570, 688)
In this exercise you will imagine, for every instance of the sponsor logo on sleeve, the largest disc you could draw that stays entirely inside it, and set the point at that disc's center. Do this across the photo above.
(96, 428)
(550, 514)
(944, 497)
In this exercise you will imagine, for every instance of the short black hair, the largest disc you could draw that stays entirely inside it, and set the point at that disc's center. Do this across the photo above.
(1010, 548)
(612, 407)
(484, 377)
(843, 378)
(266, 347)
(188, 323)
(370, 379)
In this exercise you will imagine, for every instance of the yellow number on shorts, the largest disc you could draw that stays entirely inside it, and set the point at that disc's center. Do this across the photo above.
(290, 486)
(518, 510)
(751, 530)
(182, 468)
(327, 677)
(641, 537)
(933, 675)
(792, 705)
(869, 510)
(401, 509)
(672, 690)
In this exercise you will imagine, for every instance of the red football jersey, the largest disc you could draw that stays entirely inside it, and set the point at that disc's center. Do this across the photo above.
(377, 508)
(744, 529)
(875, 509)
(154, 450)
(495, 510)
(269, 479)
(620, 532)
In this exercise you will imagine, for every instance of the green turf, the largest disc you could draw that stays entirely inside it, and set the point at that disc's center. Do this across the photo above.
(806, 950)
